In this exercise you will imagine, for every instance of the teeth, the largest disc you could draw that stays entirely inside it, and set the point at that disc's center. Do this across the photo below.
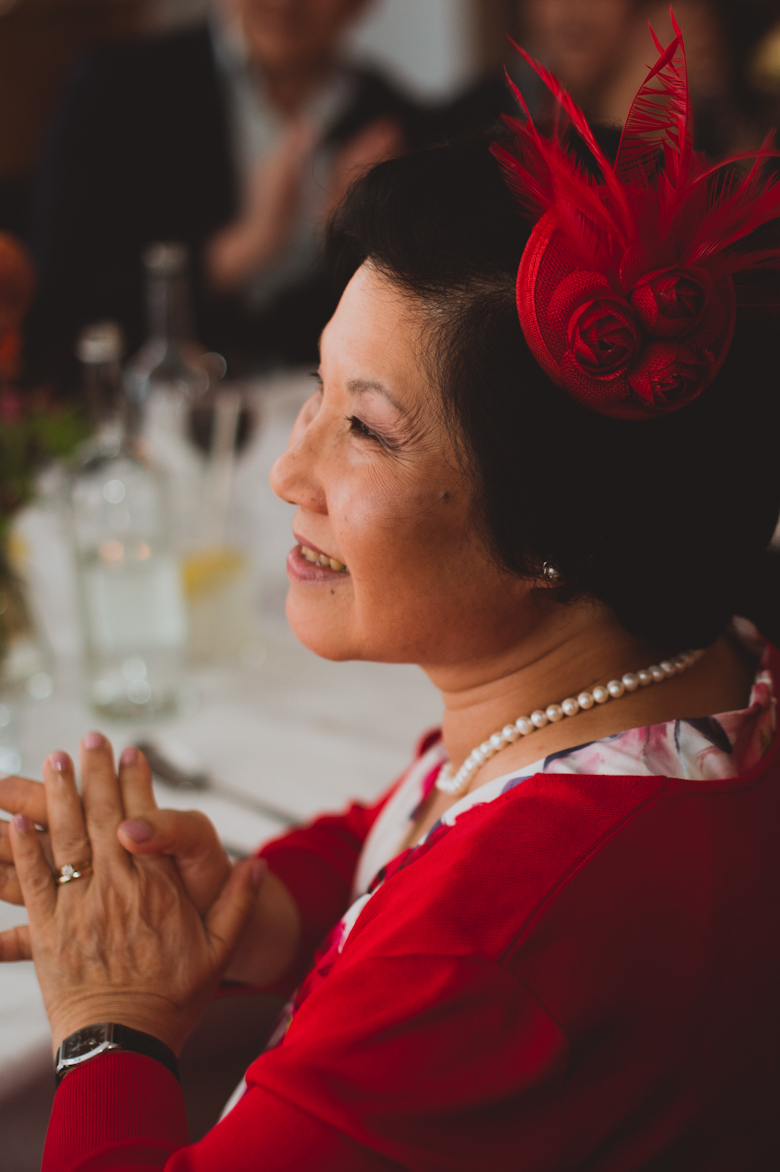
(322, 559)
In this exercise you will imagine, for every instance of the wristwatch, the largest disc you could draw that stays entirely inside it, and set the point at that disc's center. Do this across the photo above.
(93, 1040)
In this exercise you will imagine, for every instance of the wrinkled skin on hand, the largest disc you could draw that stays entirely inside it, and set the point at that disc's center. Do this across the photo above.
(187, 836)
(126, 943)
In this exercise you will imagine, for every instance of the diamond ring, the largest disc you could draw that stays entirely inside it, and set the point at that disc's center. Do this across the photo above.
(70, 872)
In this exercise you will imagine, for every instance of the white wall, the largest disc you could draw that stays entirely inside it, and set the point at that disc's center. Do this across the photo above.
(427, 44)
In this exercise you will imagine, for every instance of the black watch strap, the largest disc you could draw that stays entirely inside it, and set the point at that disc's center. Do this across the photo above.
(91, 1041)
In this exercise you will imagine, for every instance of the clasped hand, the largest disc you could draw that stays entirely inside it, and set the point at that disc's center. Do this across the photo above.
(141, 940)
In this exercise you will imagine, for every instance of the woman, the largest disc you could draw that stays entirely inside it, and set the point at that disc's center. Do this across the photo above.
(557, 950)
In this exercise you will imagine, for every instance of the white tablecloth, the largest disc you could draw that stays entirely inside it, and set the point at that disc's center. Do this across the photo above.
(304, 734)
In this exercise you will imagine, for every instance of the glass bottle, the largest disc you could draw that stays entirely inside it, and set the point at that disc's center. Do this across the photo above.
(133, 612)
(167, 376)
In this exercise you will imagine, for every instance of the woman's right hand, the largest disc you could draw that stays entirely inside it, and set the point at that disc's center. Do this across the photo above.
(269, 943)
(186, 836)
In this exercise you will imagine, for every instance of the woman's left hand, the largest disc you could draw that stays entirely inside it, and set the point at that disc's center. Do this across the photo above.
(124, 943)
(186, 836)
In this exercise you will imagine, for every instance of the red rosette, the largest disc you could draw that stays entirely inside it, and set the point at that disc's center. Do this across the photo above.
(627, 352)
(669, 375)
(671, 303)
(603, 336)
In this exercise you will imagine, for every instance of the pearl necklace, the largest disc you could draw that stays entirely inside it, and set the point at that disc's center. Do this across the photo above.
(450, 783)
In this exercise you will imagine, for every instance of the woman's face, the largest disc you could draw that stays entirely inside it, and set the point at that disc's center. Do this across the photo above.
(378, 489)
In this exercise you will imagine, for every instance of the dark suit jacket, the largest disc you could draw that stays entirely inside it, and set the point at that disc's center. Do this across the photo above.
(139, 152)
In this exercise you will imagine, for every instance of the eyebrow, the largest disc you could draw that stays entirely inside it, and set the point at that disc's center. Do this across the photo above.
(357, 386)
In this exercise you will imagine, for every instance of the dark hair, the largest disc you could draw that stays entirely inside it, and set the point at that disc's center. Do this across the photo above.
(666, 521)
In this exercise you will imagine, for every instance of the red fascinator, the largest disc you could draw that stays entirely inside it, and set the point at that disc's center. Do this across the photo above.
(625, 290)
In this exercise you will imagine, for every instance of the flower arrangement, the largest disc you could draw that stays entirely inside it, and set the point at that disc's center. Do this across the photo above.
(33, 428)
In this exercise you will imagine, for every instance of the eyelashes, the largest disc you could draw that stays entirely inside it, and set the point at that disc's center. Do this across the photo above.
(358, 427)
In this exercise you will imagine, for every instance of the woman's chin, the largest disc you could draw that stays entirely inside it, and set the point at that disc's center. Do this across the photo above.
(318, 625)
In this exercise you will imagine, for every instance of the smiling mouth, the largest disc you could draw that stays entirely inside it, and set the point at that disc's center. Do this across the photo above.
(322, 559)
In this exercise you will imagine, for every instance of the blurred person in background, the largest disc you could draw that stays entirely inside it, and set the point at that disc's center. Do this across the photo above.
(600, 50)
(236, 138)
(756, 35)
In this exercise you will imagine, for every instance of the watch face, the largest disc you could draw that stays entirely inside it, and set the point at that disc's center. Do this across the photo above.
(85, 1041)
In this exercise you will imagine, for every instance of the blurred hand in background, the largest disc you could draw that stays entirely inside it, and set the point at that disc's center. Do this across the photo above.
(263, 230)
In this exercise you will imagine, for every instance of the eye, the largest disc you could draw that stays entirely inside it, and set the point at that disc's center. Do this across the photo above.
(358, 427)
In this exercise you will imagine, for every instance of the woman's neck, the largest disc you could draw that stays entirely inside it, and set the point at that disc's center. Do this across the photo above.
(561, 661)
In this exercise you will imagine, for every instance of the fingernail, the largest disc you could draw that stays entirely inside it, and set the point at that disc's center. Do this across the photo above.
(22, 824)
(129, 755)
(59, 761)
(137, 830)
(259, 872)
(93, 740)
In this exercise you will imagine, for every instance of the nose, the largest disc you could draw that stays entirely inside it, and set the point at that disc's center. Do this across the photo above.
(294, 476)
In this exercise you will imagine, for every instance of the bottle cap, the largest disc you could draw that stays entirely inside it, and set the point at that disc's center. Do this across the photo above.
(165, 260)
(101, 342)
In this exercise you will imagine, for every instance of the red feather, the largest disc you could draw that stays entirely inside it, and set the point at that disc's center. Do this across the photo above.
(658, 182)
(659, 123)
(563, 166)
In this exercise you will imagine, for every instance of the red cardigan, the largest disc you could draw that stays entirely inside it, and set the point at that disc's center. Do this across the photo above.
(582, 974)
